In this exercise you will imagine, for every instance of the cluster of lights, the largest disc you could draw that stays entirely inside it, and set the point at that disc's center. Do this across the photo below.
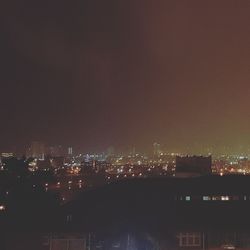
(126, 176)
(69, 184)
(2, 207)
(211, 198)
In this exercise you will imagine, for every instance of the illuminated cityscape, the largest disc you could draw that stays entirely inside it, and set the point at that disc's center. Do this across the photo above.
(125, 125)
(58, 170)
(198, 182)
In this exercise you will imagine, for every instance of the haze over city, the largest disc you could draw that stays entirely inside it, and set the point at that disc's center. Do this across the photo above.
(91, 74)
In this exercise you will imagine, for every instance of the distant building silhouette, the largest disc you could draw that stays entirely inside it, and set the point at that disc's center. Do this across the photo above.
(157, 149)
(70, 151)
(37, 150)
(56, 151)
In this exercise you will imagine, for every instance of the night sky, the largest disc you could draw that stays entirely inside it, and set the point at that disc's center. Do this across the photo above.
(126, 73)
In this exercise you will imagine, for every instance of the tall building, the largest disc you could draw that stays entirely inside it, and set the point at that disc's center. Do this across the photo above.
(37, 150)
(56, 151)
(133, 151)
(157, 149)
(110, 151)
(70, 151)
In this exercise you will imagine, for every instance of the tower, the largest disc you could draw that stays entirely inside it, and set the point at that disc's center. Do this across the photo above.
(156, 149)
(70, 151)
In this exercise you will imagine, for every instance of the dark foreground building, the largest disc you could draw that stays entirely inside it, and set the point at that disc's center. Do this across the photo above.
(188, 166)
(210, 212)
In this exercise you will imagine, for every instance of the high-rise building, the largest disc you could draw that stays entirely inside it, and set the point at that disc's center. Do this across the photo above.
(56, 151)
(157, 149)
(133, 151)
(110, 151)
(70, 151)
(37, 150)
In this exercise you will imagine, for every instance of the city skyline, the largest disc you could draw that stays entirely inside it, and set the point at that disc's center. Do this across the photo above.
(46, 149)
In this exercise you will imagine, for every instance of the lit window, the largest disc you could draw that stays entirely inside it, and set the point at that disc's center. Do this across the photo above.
(188, 198)
(225, 198)
(206, 198)
(189, 239)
